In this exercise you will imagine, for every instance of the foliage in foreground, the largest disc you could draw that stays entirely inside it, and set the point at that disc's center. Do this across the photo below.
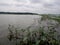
(37, 37)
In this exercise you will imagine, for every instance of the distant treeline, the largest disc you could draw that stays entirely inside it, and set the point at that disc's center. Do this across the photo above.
(19, 13)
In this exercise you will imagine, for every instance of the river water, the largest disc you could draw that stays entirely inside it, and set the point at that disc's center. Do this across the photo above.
(19, 20)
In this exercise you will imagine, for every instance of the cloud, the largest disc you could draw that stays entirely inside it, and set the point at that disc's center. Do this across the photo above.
(39, 6)
(21, 0)
(35, 1)
(4, 4)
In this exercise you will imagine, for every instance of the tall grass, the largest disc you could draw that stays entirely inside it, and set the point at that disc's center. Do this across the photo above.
(36, 37)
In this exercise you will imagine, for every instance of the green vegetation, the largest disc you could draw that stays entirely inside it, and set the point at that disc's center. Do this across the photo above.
(36, 37)
(56, 18)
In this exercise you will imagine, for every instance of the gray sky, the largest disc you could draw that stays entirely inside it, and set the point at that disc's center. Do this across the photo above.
(38, 6)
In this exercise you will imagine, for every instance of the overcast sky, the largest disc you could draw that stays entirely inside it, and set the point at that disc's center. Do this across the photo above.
(37, 6)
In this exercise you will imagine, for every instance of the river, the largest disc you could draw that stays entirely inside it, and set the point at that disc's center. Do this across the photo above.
(18, 20)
